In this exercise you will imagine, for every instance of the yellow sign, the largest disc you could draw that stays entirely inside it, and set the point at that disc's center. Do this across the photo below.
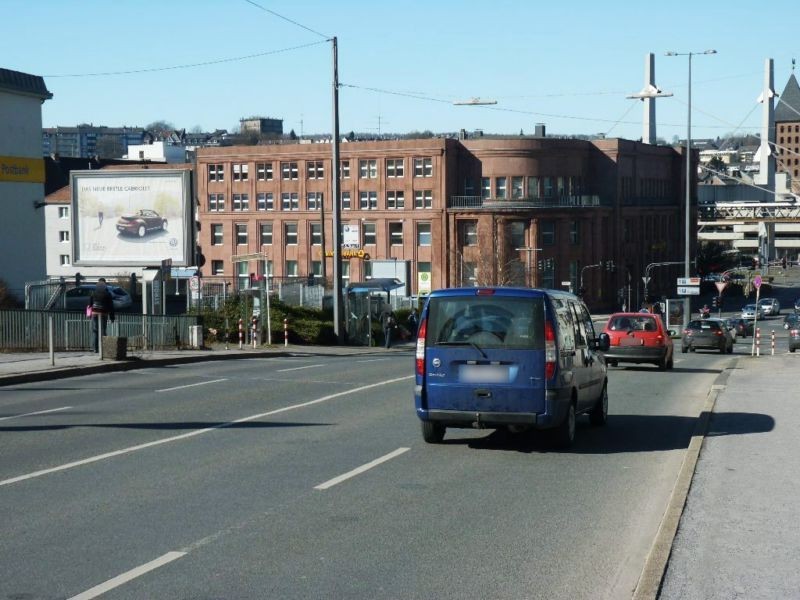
(350, 254)
(13, 168)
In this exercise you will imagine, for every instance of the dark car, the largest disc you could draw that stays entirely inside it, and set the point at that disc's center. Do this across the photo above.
(791, 321)
(742, 327)
(709, 334)
(794, 339)
(141, 223)
(78, 297)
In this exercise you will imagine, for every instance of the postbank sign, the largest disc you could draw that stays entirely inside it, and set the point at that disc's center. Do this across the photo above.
(21, 170)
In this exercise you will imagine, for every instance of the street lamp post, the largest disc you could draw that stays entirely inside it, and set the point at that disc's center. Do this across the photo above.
(686, 258)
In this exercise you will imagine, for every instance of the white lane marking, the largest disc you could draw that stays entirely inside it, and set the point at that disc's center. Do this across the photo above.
(128, 576)
(189, 434)
(336, 480)
(372, 360)
(180, 387)
(298, 368)
(38, 412)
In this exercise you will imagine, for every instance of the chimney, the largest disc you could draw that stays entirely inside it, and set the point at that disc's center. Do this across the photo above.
(539, 130)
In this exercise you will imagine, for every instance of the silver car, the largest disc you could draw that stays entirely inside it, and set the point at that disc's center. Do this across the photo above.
(752, 311)
(78, 297)
(770, 306)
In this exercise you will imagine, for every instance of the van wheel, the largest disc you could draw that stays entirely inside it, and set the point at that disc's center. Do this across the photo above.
(564, 434)
(433, 433)
(599, 414)
(670, 363)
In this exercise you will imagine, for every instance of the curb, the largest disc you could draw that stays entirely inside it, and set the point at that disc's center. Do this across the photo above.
(657, 561)
(144, 363)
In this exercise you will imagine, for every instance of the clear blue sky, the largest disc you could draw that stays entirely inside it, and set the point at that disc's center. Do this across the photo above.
(566, 64)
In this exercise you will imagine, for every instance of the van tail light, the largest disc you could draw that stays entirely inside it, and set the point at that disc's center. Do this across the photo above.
(420, 356)
(794, 332)
(549, 350)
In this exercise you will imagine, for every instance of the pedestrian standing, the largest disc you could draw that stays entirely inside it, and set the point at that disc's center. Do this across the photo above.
(389, 323)
(413, 322)
(102, 305)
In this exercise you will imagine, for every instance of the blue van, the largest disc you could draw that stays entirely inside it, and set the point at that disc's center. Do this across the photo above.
(519, 358)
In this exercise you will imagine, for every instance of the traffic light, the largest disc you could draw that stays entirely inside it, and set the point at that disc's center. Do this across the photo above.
(610, 266)
(541, 265)
(715, 301)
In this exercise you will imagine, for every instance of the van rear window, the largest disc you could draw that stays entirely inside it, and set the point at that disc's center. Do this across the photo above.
(488, 321)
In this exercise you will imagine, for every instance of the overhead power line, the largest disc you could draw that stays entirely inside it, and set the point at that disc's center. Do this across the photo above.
(287, 19)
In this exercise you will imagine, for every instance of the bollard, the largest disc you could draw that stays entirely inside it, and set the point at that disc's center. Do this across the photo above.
(255, 332)
(758, 341)
(773, 342)
(241, 335)
(286, 332)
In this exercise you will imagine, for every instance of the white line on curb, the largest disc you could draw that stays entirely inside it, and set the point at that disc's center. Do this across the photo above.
(38, 412)
(128, 576)
(344, 477)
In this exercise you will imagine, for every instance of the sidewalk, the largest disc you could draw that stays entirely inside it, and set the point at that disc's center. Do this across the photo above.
(26, 367)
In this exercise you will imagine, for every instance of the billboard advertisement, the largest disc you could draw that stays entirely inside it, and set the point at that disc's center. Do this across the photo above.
(131, 218)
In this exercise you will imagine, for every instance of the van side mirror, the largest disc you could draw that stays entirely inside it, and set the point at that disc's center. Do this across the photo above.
(601, 343)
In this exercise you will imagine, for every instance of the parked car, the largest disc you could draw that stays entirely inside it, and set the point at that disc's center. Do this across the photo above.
(77, 298)
(752, 311)
(141, 223)
(770, 306)
(791, 321)
(638, 338)
(794, 339)
(518, 358)
(742, 327)
(710, 334)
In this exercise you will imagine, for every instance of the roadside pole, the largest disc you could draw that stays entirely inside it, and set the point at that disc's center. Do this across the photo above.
(757, 284)
(50, 340)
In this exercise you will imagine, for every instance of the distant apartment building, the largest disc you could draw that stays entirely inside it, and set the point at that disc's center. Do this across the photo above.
(22, 176)
(84, 141)
(495, 210)
(262, 125)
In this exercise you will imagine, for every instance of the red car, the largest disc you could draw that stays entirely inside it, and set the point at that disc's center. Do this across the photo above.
(141, 222)
(638, 338)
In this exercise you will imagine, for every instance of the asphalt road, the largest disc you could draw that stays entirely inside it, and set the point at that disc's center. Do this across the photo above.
(306, 477)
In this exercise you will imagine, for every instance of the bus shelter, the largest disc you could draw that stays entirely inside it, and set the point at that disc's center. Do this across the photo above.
(364, 303)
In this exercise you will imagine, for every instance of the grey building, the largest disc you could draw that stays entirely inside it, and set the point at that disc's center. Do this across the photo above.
(86, 140)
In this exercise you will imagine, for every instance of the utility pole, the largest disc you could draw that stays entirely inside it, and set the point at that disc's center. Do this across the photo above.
(338, 309)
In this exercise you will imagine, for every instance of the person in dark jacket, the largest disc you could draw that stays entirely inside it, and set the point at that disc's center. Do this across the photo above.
(102, 304)
(389, 323)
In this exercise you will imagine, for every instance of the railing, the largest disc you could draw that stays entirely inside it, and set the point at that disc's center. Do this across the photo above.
(517, 203)
(27, 330)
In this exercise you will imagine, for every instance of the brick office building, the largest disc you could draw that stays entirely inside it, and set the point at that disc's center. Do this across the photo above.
(465, 212)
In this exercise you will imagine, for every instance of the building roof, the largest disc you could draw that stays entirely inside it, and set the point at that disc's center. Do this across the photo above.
(788, 108)
(23, 83)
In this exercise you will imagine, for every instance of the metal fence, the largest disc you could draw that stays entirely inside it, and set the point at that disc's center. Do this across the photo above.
(28, 330)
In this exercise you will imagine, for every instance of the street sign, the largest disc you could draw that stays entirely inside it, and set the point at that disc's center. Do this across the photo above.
(689, 290)
(721, 285)
(183, 272)
(757, 281)
(194, 284)
(688, 281)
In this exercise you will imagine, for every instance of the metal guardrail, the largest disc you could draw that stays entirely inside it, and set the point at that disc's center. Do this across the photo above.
(548, 202)
(27, 330)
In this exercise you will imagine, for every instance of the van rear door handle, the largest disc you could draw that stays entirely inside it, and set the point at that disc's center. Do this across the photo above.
(483, 393)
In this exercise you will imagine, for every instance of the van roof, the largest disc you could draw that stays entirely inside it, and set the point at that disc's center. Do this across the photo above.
(501, 291)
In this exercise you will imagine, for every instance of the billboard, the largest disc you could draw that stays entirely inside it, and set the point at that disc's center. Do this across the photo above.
(131, 218)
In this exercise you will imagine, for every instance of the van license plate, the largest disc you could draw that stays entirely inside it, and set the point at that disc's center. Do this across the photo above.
(483, 373)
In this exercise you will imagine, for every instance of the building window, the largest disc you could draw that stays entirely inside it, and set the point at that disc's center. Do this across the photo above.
(216, 234)
(395, 200)
(345, 200)
(368, 201)
(266, 234)
(216, 202)
(469, 187)
(64, 258)
(561, 186)
(291, 268)
(290, 234)
(468, 232)
(264, 171)
(394, 167)
(367, 269)
(242, 275)
(288, 170)
(315, 230)
(469, 274)
(345, 273)
(367, 169)
(370, 238)
(265, 201)
(516, 188)
(314, 169)
(396, 234)
(423, 199)
(500, 188)
(575, 232)
(240, 171)
(241, 234)
(216, 172)
(241, 202)
(423, 234)
(548, 186)
(314, 201)
(63, 236)
(344, 170)
(486, 188)
(423, 167)
(63, 212)
(517, 234)
(548, 232)
(316, 268)
(217, 267)
(289, 201)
